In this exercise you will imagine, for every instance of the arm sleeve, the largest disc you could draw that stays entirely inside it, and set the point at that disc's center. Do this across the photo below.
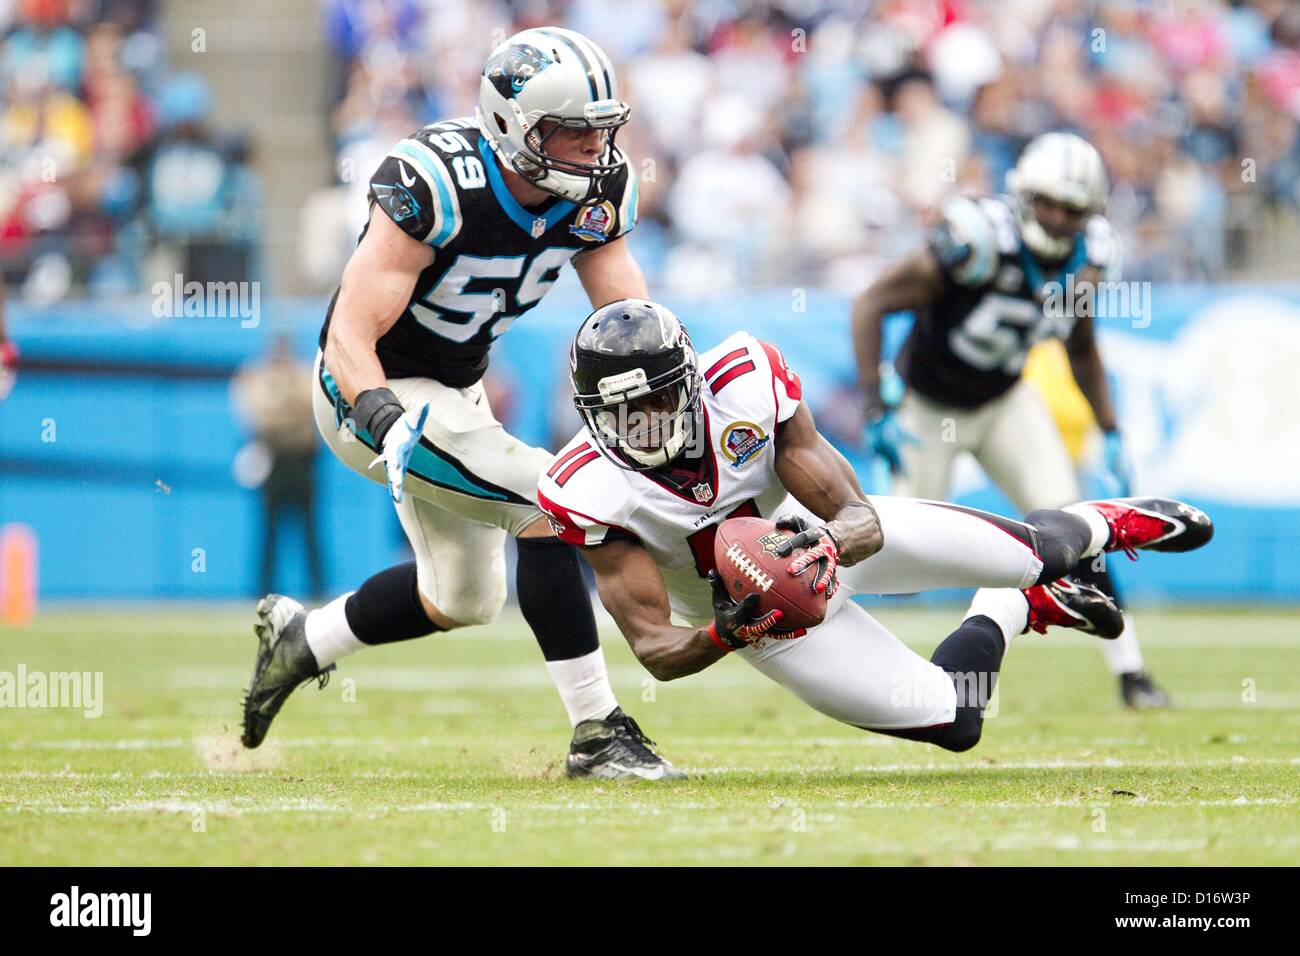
(616, 216)
(414, 187)
(964, 243)
(577, 528)
(787, 390)
(1103, 249)
(627, 205)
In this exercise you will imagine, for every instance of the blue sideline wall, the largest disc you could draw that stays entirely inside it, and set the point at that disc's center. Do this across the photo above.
(138, 474)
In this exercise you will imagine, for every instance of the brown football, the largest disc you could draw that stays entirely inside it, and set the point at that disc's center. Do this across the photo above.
(744, 551)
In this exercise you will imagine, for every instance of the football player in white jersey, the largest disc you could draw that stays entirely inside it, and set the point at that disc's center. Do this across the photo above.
(675, 443)
(471, 220)
(987, 286)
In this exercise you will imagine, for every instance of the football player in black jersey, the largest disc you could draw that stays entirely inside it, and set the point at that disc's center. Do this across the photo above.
(471, 221)
(981, 291)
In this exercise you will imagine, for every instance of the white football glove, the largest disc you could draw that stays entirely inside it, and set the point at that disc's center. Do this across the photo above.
(399, 445)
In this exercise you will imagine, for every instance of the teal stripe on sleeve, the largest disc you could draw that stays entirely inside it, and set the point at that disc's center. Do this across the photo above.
(437, 176)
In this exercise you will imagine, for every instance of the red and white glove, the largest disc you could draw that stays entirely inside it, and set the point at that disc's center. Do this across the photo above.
(737, 623)
(8, 368)
(822, 551)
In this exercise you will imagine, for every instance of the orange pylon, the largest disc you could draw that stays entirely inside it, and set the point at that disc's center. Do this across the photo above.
(17, 575)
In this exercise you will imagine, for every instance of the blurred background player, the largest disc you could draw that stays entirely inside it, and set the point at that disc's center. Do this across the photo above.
(982, 291)
(471, 221)
(274, 394)
(8, 353)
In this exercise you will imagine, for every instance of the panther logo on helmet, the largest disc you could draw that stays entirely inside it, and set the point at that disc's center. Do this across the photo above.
(512, 67)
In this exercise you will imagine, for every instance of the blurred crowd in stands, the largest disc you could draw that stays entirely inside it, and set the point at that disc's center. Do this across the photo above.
(110, 173)
(778, 142)
(808, 141)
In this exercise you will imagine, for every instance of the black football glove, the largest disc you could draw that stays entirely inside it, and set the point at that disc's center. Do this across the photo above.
(736, 623)
(821, 550)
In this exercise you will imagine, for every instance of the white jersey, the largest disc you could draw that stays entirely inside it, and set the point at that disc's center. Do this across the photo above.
(674, 512)
(849, 667)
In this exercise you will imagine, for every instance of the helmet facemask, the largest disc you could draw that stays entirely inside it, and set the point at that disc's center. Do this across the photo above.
(635, 431)
(1061, 168)
(546, 172)
(1039, 239)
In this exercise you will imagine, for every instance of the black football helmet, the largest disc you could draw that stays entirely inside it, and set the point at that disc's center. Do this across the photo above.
(625, 354)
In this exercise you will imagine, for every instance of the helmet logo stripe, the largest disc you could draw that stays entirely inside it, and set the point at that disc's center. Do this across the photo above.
(582, 58)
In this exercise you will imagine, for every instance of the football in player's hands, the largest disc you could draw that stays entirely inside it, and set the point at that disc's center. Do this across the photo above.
(745, 552)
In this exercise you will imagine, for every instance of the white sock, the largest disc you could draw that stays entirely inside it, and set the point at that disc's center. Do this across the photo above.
(584, 687)
(1006, 607)
(1096, 524)
(1123, 656)
(328, 634)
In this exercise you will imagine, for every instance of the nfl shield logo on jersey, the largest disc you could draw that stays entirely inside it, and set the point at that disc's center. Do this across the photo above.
(539, 228)
(703, 493)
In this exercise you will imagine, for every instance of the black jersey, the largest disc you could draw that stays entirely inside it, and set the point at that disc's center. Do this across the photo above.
(493, 258)
(970, 345)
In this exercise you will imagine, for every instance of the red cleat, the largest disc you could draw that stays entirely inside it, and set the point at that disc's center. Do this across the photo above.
(1153, 524)
(1067, 603)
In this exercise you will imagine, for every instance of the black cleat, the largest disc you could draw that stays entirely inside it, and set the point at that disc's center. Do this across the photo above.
(1141, 693)
(1153, 524)
(616, 749)
(284, 663)
(1069, 603)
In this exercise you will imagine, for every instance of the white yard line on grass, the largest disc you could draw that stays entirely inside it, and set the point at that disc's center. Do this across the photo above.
(386, 743)
(309, 805)
(1231, 700)
(804, 771)
(1105, 763)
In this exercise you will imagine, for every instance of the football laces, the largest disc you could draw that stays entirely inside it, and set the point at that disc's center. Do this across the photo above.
(746, 566)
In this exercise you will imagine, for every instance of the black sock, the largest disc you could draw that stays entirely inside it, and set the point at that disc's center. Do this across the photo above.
(1062, 540)
(1093, 571)
(971, 656)
(387, 608)
(554, 599)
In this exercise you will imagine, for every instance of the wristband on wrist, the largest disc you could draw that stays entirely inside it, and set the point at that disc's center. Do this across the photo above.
(376, 410)
(718, 639)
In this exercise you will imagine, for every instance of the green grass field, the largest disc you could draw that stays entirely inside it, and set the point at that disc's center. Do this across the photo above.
(449, 750)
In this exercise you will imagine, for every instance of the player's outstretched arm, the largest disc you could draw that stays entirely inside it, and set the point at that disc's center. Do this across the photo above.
(632, 590)
(376, 287)
(609, 273)
(823, 482)
(912, 282)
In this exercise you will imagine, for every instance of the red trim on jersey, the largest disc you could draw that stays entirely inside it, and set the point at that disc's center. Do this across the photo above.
(568, 472)
(744, 368)
(997, 521)
(729, 357)
(781, 371)
(701, 542)
(567, 456)
(570, 531)
(702, 472)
